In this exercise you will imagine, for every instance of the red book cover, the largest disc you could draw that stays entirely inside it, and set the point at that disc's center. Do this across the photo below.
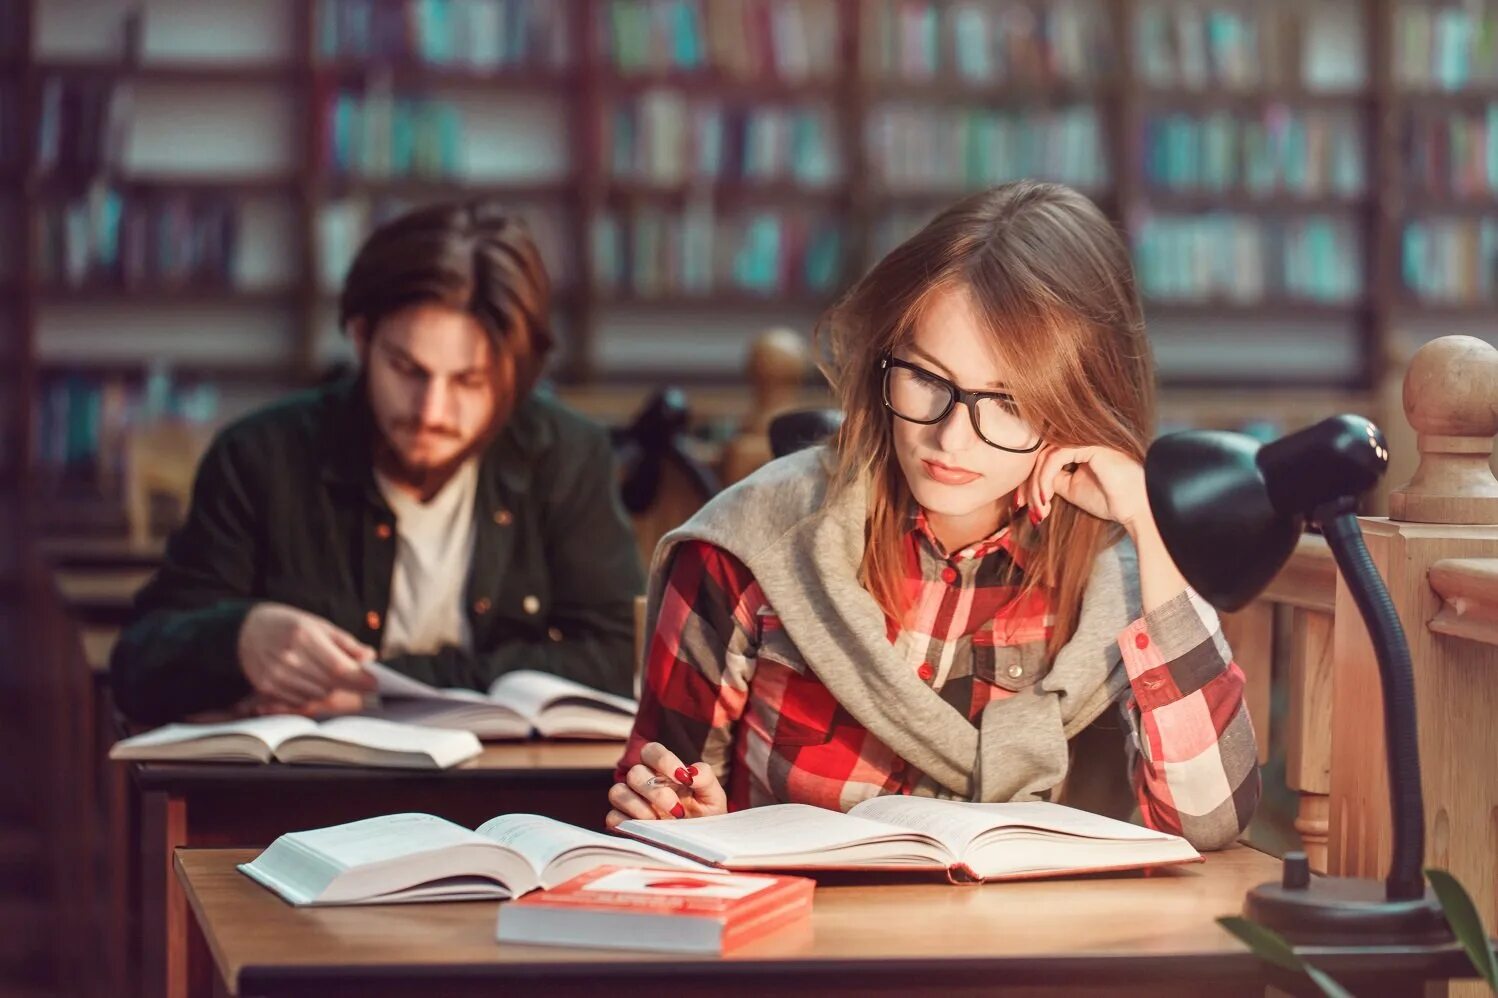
(685, 911)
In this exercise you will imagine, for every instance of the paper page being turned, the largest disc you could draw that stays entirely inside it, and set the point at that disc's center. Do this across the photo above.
(396, 685)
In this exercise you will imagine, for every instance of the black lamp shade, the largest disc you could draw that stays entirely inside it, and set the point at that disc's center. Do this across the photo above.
(1230, 510)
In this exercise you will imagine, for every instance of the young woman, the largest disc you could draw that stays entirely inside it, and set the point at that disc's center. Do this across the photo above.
(967, 577)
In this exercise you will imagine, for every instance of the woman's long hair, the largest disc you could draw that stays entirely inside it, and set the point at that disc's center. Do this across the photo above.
(1050, 279)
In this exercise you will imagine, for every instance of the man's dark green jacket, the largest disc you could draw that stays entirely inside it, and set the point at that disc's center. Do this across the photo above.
(285, 508)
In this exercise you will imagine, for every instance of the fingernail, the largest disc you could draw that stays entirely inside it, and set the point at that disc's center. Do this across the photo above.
(692, 770)
(683, 775)
(678, 811)
(1034, 517)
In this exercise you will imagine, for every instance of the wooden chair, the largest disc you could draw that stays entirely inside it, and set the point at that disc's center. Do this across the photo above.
(662, 482)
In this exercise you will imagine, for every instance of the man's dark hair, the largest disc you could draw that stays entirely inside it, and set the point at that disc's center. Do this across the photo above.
(469, 256)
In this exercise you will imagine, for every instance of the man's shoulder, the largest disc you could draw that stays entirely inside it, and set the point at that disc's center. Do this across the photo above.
(290, 424)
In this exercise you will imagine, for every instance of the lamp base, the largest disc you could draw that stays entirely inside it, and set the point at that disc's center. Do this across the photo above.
(1346, 911)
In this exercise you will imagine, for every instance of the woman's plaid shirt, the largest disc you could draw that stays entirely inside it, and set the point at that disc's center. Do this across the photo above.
(725, 685)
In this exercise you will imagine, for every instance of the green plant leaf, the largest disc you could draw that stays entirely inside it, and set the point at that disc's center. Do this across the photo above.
(1271, 947)
(1462, 915)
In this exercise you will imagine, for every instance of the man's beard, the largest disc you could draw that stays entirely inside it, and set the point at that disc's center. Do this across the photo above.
(425, 479)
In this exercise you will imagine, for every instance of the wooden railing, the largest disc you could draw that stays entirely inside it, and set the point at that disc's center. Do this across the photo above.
(1293, 619)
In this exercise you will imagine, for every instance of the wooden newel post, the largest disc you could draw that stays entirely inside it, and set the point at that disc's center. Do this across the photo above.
(1448, 510)
(779, 361)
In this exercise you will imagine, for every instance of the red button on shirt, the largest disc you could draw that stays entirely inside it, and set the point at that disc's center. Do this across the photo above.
(949, 575)
(1141, 640)
(925, 672)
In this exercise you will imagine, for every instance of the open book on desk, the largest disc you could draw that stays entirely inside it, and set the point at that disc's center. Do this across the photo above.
(515, 705)
(420, 857)
(339, 741)
(968, 841)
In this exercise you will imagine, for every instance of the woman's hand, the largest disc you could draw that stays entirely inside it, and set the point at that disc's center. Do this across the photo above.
(660, 786)
(1106, 483)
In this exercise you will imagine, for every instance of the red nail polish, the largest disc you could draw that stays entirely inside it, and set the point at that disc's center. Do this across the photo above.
(678, 811)
(683, 775)
(1034, 517)
(692, 771)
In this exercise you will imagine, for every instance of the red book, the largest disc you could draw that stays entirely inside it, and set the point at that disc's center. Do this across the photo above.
(680, 911)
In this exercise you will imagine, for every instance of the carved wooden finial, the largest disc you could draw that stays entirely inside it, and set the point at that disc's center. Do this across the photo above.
(1451, 400)
(779, 360)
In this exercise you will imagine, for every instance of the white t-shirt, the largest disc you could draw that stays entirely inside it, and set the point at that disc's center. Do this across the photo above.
(433, 552)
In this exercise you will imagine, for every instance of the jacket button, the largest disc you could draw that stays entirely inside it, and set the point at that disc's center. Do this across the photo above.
(383, 531)
(926, 672)
(373, 620)
(530, 605)
(949, 575)
(554, 634)
(482, 605)
(503, 517)
(1015, 671)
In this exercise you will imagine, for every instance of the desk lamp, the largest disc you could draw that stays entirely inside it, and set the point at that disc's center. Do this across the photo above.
(1230, 511)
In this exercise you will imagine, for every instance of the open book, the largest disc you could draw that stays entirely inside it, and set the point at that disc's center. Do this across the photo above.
(516, 704)
(420, 857)
(340, 741)
(969, 841)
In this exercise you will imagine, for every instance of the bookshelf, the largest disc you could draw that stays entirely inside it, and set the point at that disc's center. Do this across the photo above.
(697, 171)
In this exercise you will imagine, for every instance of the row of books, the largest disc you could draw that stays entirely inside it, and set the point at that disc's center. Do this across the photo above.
(1241, 258)
(82, 423)
(1306, 152)
(1451, 261)
(1446, 46)
(375, 133)
(792, 40)
(1008, 42)
(342, 226)
(650, 253)
(1201, 46)
(81, 124)
(667, 136)
(150, 241)
(477, 34)
(1452, 153)
(957, 149)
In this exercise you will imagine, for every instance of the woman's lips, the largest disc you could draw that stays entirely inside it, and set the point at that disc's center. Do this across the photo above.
(947, 475)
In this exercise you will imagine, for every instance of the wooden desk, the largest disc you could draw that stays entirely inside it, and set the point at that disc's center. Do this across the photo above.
(208, 804)
(1109, 935)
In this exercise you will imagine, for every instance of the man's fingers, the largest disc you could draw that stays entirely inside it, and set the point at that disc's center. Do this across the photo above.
(352, 646)
(339, 668)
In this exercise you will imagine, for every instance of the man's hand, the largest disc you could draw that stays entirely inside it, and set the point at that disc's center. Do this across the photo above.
(299, 660)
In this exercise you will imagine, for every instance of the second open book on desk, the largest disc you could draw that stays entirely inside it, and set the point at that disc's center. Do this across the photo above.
(515, 705)
(968, 841)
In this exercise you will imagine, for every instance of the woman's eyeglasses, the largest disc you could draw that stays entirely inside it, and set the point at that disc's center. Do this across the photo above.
(921, 396)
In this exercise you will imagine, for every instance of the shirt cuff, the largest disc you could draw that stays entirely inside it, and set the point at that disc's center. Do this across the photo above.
(1170, 633)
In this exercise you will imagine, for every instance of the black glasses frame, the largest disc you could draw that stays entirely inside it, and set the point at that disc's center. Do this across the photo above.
(954, 395)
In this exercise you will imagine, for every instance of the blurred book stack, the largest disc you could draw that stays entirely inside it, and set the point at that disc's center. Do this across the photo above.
(785, 40)
(470, 34)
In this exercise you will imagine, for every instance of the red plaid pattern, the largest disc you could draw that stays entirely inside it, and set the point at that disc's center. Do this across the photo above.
(725, 685)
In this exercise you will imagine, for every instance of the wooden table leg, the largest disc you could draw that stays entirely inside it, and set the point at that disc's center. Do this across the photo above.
(164, 914)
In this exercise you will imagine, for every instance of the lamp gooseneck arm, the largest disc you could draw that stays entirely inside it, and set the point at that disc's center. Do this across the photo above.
(1339, 524)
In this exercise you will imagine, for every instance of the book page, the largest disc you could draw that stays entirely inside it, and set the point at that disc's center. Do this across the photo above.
(530, 692)
(272, 730)
(958, 823)
(542, 841)
(377, 840)
(397, 685)
(765, 833)
(445, 746)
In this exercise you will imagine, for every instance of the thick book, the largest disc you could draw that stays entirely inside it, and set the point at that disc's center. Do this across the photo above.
(516, 705)
(420, 857)
(658, 909)
(339, 741)
(968, 841)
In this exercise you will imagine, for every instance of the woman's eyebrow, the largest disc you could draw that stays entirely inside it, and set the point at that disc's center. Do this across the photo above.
(943, 369)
